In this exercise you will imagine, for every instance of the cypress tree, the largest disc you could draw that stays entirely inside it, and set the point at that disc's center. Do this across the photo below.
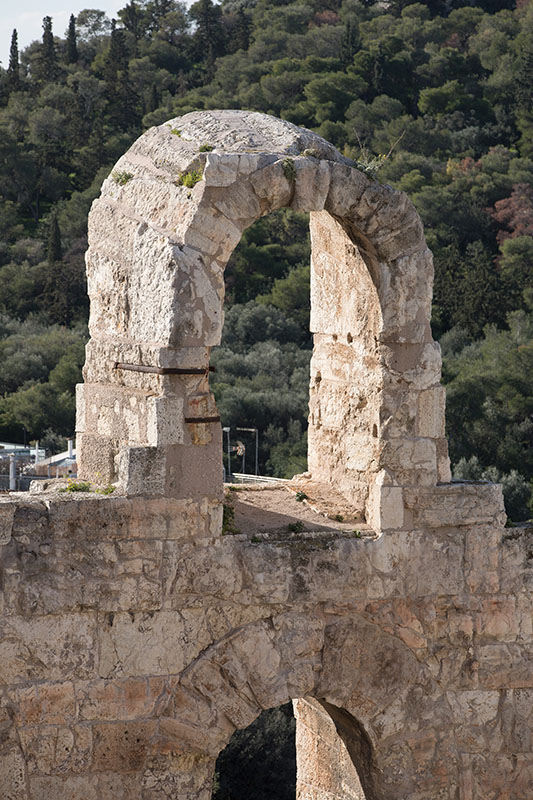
(72, 44)
(125, 111)
(47, 63)
(242, 30)
(48, 50)
(13, 68)
(350, 41)
(154, 98)
(54, 251)
(116, 57)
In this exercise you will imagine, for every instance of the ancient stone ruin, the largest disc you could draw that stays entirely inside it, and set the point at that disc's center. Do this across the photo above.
(137, 635)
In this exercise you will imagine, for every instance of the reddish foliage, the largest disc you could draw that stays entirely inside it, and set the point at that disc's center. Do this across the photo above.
(454, 41)
(514, 214)
(327, 17)
(468, 164)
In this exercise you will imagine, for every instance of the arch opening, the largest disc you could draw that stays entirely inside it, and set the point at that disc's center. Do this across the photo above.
(259, 761)
(309, 748)
(261, 369)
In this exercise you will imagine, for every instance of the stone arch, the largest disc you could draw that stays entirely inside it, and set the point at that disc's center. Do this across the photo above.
(380, 699)
(158, 246)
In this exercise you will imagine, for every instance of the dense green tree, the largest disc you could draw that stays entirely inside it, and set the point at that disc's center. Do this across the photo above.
(443, 88)
(91, 23)
(133, 19)
(48, 66)
(13, 70)
(71, 55)
(54, 251)
(489, 400)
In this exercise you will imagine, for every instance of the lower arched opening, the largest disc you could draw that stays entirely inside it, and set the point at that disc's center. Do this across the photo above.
(308, 750)
(259, 762)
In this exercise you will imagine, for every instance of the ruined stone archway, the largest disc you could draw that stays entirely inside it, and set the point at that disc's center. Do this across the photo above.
(159, 243)
(385, 704)
(135, 637)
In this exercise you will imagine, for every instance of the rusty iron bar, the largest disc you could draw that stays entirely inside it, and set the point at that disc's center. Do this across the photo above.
(163, 370)
(202, 419)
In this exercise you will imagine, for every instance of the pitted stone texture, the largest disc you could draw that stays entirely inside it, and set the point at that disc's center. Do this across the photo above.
(250, 132)
(324, 765)
(7, 512)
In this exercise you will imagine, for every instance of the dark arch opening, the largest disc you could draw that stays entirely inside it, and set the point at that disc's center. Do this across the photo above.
(306, 746)
(259, 762)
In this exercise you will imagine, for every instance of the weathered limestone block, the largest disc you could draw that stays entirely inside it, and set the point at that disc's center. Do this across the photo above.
(223, 169)
(66, 646)
(345, 190)
(272, 187)
(96, 458)
(412, 461)
(7, 513)
(338, 270)
(156, 152)
(444, 471)
(431, 412)
(109, 411)
(384, 509)
(240, 204)
(311, 184)
(404, 296)
(517, 567)
(324, 768)
(459, 503)
(186, 775)
(142, 470)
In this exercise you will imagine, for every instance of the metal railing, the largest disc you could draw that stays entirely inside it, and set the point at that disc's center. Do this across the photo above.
(240, 477)
(22, 482)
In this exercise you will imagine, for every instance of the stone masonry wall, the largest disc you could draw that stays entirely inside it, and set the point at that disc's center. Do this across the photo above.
(135, 639)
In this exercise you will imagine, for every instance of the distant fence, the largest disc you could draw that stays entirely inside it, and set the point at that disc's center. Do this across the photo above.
(22, 482)
(241, 477)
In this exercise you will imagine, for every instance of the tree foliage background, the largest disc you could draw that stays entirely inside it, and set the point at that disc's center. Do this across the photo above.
(448, 83)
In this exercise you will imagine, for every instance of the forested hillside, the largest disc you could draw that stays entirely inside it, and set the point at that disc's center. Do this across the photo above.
(434, 98)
